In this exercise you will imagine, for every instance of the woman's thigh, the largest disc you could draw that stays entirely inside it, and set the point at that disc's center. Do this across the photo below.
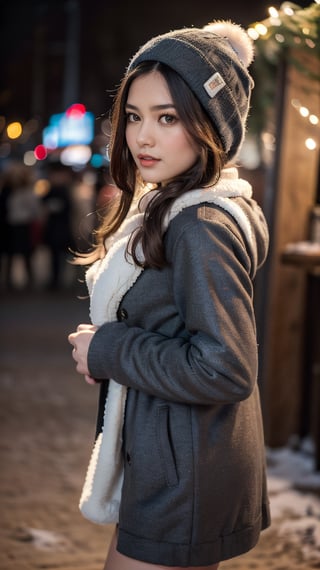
(117, 561)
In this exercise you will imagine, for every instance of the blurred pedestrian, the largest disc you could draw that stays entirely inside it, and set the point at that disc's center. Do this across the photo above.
(21, 213)
(57, 235)
(83, 209)
(178, 461)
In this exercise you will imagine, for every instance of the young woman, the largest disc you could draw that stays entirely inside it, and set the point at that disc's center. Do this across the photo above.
(179, 461)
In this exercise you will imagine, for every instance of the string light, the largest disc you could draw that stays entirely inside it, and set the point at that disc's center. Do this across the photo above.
(275, 22)
(261, 29)
(310, 144)
(287, 9)
(253, 34)
(304, 112)
(314, 120)
(287, 33)
(294, 26)
(310, 43)
(273, 12)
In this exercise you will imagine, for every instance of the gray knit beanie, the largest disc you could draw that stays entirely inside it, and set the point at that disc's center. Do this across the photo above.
(213, 61)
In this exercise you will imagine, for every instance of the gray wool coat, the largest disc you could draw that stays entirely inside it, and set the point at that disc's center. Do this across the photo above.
(194, 490)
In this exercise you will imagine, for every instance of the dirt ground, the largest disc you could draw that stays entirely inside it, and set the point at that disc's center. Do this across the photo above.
(46, 434)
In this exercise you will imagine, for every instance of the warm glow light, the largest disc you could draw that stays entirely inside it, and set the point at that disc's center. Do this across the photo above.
(280, 38)
(41, 187)
(296, 103)
(310, 43)
(252, 33)
(14, 130)
(314, 120)
(304, 112)
(250, 155)
(287, 9)
(310, 144)
(275, 21)
(268, 140)
(261, 29)
(273, 12)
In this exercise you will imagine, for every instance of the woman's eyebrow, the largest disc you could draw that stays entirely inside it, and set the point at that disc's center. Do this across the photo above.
(153, 108)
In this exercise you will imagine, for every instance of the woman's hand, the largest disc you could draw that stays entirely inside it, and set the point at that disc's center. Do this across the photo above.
(80, 341)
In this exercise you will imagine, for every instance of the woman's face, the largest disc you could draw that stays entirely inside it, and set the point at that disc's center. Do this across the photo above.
(156, 137)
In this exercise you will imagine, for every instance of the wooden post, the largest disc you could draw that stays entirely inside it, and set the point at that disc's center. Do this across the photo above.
(289, 198)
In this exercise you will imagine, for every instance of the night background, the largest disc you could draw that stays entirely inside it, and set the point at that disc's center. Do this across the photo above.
(104, 35)
(57, 53)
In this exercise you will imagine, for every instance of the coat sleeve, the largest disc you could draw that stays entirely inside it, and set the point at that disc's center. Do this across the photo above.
(216, 361)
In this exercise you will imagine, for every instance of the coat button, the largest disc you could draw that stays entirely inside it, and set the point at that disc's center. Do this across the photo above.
(122, 314)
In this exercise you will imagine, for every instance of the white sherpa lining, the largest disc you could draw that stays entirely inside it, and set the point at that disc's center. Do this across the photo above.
(108, 280)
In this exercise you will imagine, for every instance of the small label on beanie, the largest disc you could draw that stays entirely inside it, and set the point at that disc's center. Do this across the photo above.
(214, 84)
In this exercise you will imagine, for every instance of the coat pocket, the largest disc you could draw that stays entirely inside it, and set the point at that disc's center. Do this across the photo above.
(166, 447)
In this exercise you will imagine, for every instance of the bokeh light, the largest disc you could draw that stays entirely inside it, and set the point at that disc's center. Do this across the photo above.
(14, 130)
(310, 144)
(29, 158)
(40, 152)
(76, 110)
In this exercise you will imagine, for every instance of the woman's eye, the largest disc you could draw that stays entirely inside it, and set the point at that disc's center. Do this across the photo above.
(168, 119)
(132, 117)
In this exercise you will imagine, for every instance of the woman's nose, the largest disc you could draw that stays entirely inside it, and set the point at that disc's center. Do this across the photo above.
(145, 134)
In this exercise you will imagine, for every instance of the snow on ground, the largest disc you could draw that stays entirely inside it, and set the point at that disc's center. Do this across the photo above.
(294, 490)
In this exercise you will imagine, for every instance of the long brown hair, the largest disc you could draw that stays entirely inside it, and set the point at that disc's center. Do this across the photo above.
(204, 172)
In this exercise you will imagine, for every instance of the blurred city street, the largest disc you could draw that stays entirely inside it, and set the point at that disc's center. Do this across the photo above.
(47, 429)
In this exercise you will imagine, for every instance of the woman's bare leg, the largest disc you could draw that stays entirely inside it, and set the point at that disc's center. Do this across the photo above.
(117, 561)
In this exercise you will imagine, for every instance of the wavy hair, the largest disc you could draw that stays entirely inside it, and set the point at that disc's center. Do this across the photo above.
(204, 172)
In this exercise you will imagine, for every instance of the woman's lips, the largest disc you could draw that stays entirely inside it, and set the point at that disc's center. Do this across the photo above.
(147, 160)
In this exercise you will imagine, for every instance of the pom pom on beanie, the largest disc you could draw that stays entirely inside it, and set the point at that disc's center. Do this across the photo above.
(237, 37)
(213, 61)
